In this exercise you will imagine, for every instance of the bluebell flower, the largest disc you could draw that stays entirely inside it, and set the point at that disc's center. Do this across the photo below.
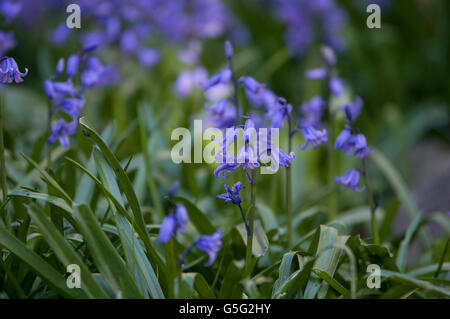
(60, 34)
(350, 180)
(148, 57)
(7, 42)
(279, 112)
(56, 91)
(173, 223)
(9, 71)
(263, 97)
(329, 55)
(311, 112)
(72, 106)
(190, 79)
(221, 115)
(211, 245)
(309, 21)
(352, 144)
(225, 168)
(353, 109)
(60, 66)
(316, 74)
(342, 141)
(10, 9)
(129, 42)
(92, 75)
(232, 194)
(93, 40)
(314, 137)
(61, 131)
(228, 50)
(223, 77)
(72, 65)
(359, 144)
(336, 86)
(251, 85)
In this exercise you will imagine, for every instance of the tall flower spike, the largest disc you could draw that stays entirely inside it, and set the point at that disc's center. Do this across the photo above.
(211, 245)
(350, 180)
(9, 71)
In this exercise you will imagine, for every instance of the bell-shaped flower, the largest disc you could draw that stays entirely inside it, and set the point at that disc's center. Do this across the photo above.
(350, 180)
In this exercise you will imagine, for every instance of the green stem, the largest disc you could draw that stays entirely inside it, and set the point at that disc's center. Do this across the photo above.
(180, 271)
(332, 199)
(376, 237)
(49, 132)
(251, 219)
(289, 189)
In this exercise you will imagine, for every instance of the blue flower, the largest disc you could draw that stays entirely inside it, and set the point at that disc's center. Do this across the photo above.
(9, 71)
(251, 85)
(225, 168)
(72, 106)
(353, 109)
(336, 86)
(350, 180)
(173, 223)
(221, 115)
(61, 131)
(60, 66)
(72, 65)
(311, 112)
(10, 9)
(228, 50)
(313, 137)
(129, 41)
(211, 245)
(223, 77)
(352, 144)
(148, 57)
(56, 91)
(316, 74)
(7, 42)
(232, 195)
(279, 112)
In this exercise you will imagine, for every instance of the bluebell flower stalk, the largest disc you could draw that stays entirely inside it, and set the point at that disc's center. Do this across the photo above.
(232, 195)
(251, 220)
(210, 244)
(9, 73)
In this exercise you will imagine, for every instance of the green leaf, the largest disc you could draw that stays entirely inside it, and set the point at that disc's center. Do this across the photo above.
(327, 259)
(122, 176)
(402, 253)
(147, 161)
(137, 262)
(49, 179)
(406, 278)
(260, 242)
(197, 282)
(399, 186)
(39, 266)
(333, 282)
(105, 255)
(56, 201)
(283, 272)
(65, 252)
